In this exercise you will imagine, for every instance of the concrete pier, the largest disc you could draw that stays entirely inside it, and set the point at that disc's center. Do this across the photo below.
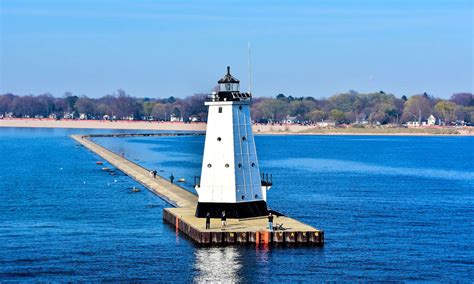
(242, 231)
(237, 231)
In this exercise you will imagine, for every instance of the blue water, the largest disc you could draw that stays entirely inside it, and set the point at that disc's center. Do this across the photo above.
(392, 208)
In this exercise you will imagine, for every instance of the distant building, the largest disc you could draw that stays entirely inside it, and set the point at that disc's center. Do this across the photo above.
(361, 119)
(431, 120)
(459, 123)
(195, 118)
(68, 115)
(326, 124)
(53, 116)
(415, 123)
(290, 119)
(83, 116)
(106, 117)
(9, 115)
(128, 117)
(175, 118)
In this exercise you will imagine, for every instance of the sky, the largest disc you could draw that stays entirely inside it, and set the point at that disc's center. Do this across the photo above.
(152, 48)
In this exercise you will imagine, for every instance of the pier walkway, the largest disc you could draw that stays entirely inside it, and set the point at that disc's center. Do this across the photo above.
(169, 192)
(243, 231)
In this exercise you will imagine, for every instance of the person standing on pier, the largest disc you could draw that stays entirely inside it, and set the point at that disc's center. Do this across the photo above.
(154, 173)
(223, 219)
(208, 220)
(270, 221)
(171, 178)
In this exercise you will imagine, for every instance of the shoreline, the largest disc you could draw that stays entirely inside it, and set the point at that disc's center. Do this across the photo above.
(258, 129)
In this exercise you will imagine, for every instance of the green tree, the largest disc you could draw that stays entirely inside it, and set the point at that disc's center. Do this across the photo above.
(70, 100)
(148, 108)
(463, 99)
(316, 115)
(346, 102)
(301, 108)
(338, 116)
(273, 109)
(447, 111)
(281, 97)
(162, 111)
(417, 107)
(85, 105)
(171, 100)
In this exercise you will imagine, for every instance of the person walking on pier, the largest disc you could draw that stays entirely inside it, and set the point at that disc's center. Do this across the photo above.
(154, 173)
(223, 219)
(171, 178)
(208, 220)
(270, 221)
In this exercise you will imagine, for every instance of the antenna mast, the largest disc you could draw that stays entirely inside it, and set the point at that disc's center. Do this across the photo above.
(250, 70)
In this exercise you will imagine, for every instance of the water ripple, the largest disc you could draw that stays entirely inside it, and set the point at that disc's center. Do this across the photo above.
(345, 166)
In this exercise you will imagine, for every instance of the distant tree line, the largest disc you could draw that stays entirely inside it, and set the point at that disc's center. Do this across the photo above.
(351, 108)
(119, 105)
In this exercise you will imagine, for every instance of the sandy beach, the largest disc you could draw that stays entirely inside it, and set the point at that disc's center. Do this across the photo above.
(103, 124)
(257, 128)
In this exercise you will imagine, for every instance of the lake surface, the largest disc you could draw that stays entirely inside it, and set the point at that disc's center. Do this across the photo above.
(392, 208)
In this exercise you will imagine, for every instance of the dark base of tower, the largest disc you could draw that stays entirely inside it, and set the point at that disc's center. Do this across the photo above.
(232, 210)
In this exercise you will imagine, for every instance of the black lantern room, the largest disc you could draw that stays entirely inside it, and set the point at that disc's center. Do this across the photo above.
(229, 89)
(228, 83)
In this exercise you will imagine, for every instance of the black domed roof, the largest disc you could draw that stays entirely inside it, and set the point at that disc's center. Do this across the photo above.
(228, 78)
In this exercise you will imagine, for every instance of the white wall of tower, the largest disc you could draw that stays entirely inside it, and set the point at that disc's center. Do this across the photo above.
(230, 172)
(216, 179)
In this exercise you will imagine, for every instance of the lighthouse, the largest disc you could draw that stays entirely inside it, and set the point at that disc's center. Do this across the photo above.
(230, 176)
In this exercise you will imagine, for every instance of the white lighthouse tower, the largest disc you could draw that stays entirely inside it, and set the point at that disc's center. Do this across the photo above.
(230, 177)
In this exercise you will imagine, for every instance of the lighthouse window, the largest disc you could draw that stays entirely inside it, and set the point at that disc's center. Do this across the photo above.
(243, 197)
(219, 139)
(256, 195)
(240, 165)
(226, 165)
(240, 107)
(243, 138)
(209, 165)
(253, 164)
(220, 109)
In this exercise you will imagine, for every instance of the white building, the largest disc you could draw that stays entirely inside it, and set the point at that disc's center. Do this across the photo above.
(194, 118)
(68, 115)
(128, 117)
(326, 123)
(175, 118)
(230, 176)
(414, 123)
(291, 119)
(431, 120)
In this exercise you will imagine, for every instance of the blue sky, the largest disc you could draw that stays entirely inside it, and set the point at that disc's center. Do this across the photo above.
(299, 48)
